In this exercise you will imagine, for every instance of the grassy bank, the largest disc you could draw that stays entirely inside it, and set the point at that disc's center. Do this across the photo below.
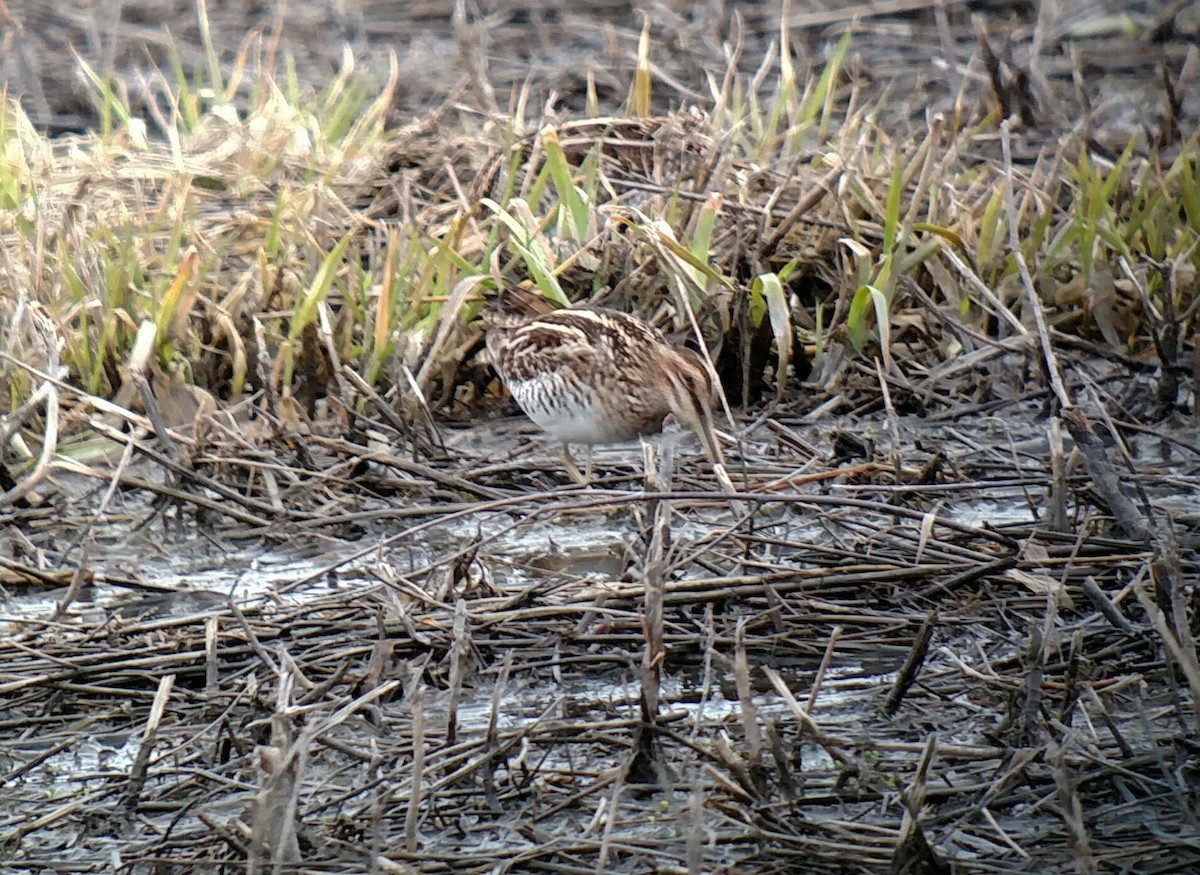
(296, 255)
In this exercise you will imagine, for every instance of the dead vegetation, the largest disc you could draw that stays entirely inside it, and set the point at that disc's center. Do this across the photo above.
(946, 621)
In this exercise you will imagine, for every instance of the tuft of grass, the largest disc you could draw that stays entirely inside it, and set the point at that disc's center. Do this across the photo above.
(575, 218)
(528, 240)
(255, 210)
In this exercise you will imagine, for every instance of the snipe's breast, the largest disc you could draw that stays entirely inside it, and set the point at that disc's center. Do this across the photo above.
(594, 376)
(572, 409)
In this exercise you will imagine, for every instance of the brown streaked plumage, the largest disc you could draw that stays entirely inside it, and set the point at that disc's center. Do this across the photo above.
(594, 376)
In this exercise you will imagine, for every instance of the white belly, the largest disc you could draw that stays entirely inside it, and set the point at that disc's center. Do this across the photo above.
(568, 411)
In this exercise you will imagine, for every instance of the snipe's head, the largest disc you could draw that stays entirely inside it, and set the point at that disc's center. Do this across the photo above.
(690, 394)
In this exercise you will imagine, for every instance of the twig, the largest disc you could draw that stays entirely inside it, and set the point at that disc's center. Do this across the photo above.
(412, 813)
(141, 762)
(912, 665)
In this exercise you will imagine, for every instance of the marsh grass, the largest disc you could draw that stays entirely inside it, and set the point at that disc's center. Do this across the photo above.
(248, 213)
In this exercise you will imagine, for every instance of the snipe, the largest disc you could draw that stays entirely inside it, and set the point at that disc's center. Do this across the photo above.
(595, 376)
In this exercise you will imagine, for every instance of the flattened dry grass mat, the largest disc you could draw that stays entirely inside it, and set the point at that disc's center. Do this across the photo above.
(841, 671)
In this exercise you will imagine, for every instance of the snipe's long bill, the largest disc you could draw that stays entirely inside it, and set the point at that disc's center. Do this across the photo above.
(594, 376)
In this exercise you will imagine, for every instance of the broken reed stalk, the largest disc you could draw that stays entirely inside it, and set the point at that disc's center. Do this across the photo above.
(81, 576)
(1070, 697)
(1100, 600)
(212, 670)
(1174, 592)
(490, 738)
(1184, 658)
(826, 659)
(642, 766)
(1056, 511)
(913, 852)
(1026, 720)
(460, 652)
(654, 584)
(806, 722)
(608, 809)
(696, 831)
(273, 828)
(379, 797)
(1072, 811)
(412, 814)
(745, 692)
(785, 769)
(706, 682)
(136, 368)
(137, 771)
(1104, 476)
(912, 665)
